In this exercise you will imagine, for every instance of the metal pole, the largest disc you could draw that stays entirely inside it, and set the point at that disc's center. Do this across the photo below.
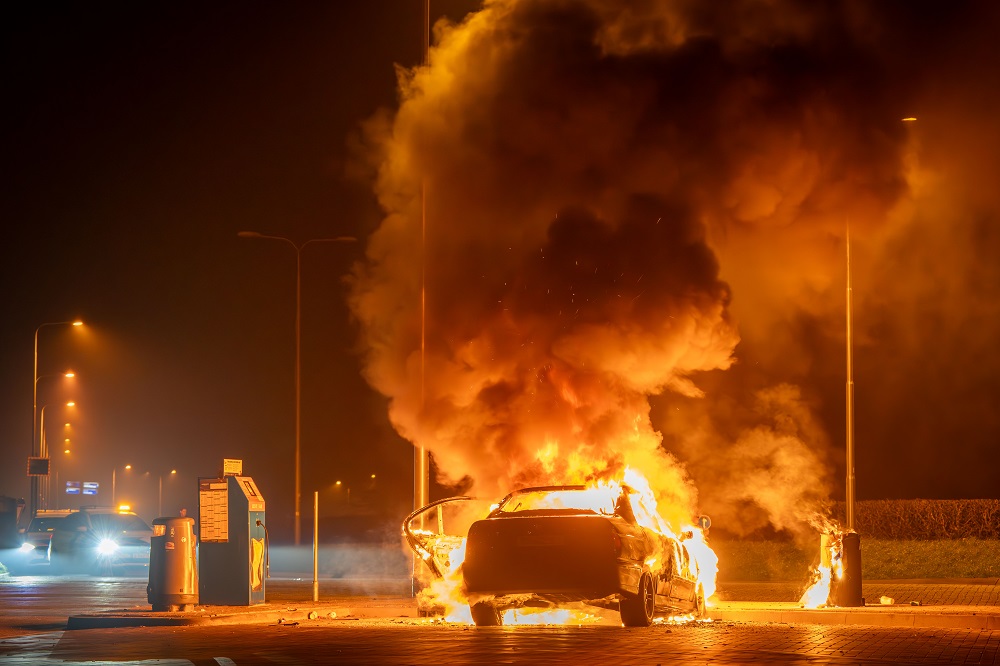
(849, 590)
(43, 451)
(298, 356)
(298, 394)
(159, 506)
(420, 460)
(316, 545)
(34, 397)
(850, 397)
(113, 470)
(34, 489)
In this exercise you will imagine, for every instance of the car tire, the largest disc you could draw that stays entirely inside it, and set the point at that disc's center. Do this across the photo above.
(486, 615)
(700, 607)
(637, 610)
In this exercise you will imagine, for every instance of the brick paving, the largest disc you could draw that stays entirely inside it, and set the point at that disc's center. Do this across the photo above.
(974, 592)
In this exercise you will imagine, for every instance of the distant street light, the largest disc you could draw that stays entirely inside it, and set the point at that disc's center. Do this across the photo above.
(173, 472)
(298, 354)
(338, 485)
(44, 485)
(114, 483)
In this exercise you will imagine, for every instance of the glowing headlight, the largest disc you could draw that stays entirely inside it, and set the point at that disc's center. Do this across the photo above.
(106, 547)
(27, 547)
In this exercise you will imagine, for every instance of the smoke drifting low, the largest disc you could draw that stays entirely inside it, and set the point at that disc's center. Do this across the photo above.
(616, 193)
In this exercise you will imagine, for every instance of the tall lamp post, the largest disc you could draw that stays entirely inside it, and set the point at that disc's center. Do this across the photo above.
(173, 472)
(114, 483)
(34, 413)
(850, 592)
(298, 354)
(35, 486)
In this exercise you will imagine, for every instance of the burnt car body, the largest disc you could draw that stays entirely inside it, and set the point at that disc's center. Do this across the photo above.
(550, 546)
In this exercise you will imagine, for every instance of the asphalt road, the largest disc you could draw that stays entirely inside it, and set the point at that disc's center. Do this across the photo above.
(425, 642)
(33, 612)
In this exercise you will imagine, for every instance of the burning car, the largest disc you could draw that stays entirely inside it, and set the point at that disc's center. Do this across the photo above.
(554, 545)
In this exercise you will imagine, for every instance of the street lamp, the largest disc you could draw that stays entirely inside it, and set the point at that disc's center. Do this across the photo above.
(34, 414)
(34, 407)
(114, 482)
(160, 506)
(338, 484)
(298, 354)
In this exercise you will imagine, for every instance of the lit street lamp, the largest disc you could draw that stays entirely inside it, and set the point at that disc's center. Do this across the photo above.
(35, 487)
(114, 483)
(338, 485)
(34, 413)
(298, 347)
(173, 472)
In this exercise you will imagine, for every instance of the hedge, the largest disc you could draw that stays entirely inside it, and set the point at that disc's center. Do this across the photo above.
(925, 519)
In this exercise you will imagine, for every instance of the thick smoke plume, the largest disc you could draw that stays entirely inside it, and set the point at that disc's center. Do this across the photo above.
(615, 194)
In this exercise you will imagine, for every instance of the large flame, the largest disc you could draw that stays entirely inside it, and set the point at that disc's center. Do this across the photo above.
(830, 568)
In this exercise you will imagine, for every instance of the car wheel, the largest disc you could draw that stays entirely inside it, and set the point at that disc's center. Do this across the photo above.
(637, 609)
(486, 615)
(700, 608)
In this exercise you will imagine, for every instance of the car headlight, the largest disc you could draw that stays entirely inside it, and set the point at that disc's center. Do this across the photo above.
(27, 547)
(107, 546)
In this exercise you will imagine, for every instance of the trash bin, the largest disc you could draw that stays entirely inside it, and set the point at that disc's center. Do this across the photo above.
(173, 569)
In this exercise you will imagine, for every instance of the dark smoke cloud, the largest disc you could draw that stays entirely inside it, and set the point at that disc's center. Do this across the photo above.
(612, 191)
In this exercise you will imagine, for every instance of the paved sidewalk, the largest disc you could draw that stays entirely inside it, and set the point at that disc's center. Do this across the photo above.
(929, 592)
(965, 604)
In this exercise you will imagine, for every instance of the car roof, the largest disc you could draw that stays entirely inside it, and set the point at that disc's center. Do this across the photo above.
(107, 509)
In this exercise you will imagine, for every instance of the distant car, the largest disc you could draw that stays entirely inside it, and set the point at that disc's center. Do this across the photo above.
(102, 541)
(548, 546)
(34, 551)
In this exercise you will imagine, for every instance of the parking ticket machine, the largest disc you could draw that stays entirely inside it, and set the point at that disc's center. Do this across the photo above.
(232, 562)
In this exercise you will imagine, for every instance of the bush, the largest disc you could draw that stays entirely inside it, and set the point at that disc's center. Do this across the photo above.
(880, 559)
(925, 519)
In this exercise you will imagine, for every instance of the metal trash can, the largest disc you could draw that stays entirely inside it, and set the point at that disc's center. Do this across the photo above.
(173, 569)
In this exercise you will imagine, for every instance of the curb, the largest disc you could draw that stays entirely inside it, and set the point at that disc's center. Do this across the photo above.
(927, 620)
(223, 615)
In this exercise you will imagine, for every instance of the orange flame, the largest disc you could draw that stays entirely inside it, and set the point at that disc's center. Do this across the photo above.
(829, 569)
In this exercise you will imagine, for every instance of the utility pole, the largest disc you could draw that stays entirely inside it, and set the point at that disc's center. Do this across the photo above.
(849, 590)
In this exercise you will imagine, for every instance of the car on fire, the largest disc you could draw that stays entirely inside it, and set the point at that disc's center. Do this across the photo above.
(103, 541)
(555, 545)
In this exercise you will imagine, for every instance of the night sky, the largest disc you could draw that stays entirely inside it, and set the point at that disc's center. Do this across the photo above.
(636, 224)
